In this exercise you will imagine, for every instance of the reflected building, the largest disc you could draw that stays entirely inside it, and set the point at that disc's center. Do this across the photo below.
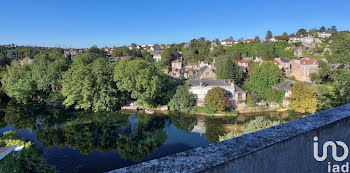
(199, 127)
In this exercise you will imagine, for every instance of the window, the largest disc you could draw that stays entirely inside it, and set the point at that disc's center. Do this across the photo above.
(239, 96)
(207, 74)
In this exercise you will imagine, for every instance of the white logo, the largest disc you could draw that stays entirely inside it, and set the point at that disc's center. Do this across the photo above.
(334, 150)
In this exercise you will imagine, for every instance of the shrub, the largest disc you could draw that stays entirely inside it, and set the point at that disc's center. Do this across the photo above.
(304, 98)
(257, 124)
(202, 110)
(250, 101)
(182, 100)
(216, 99)
(232, 113)
(28, 160)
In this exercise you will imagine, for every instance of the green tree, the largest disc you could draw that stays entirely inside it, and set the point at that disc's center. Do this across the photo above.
(182, 99)
(17, 82)
(217, 99)
(146, 83)
(226, 68)
(340, 50)
(28, 160)
(342, 89)
(274, 95)
(47, 72)
(257, 38)
(268, 35)
(303, 98)
(302, 31)
(89, 84)
(322, 29)
(95, 52)
(264, 77)
(333, 29)
(283, 37)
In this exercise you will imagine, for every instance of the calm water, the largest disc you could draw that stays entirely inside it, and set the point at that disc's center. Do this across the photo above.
(80, 141)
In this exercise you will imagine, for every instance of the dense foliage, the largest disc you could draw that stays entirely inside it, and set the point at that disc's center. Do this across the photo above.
(89, 84)
(226, 68)
(182, 100)
(28, 159)
(264, 77)
(144, 81)
(303, 98)
(217, 99)
(250, 127)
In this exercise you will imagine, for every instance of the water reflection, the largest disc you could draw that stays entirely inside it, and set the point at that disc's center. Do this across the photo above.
(131, 136)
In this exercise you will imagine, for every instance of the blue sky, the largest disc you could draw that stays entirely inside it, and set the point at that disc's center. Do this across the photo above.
(83, 23)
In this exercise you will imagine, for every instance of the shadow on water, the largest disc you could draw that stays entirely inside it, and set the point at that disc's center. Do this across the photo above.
(83, 141)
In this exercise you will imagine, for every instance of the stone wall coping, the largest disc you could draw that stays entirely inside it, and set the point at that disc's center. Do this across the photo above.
(203, 158)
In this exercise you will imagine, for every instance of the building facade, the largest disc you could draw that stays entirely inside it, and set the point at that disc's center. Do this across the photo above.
(200, 88)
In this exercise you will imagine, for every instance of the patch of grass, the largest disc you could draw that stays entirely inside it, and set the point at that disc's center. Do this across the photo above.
(257, 124)
(232, 113)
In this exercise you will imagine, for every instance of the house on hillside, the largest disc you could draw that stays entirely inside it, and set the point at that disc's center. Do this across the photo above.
(193, 65)
(305, 39)
(284, 64)
(213, 44)
(204, 73)
(324, 34)
(248, 40)
(307, 67)
(157, 56)
(203, 64)
(285, 86)
(176, 73)
(227, 42)
(155, 48)
(71, 53)
(176, 64)
(200, 87)
(244, 63)
(26, 61)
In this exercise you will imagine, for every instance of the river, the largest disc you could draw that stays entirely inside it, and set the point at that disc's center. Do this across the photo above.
(83, 141)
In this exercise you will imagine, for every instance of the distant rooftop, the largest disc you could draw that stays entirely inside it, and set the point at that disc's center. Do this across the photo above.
(285, 85)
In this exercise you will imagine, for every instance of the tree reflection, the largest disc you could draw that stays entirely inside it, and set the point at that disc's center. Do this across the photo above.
(134, 137)
(140, 140)
(214, 128)
(183, 122)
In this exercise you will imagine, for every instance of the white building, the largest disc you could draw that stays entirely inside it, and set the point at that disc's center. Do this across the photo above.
(176, 64)
(200, 88)
(157, 57)
(324, 34)
(227, 42)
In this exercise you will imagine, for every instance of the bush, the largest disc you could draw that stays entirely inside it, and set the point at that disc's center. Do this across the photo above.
(182, 100)
(202, 110)
(232, 113)
(304, 98)
(297, 44)
(250, 101)
(257, 124)
(28, 160)
(216, 99)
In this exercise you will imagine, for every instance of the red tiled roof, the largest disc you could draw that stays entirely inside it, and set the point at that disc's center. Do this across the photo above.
(249, 40)
(308, 61)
